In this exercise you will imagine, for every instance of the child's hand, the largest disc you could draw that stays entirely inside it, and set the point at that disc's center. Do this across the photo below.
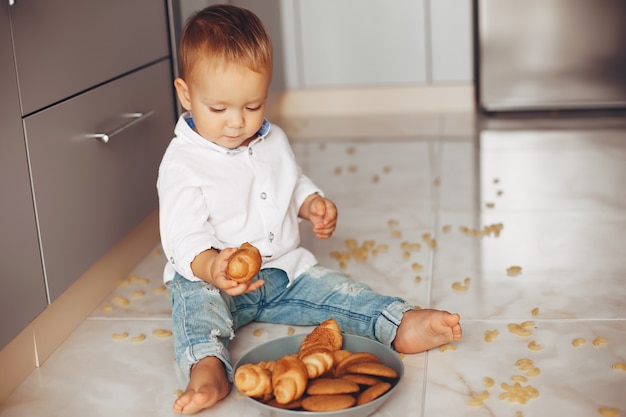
(322, 213)
(221, 280)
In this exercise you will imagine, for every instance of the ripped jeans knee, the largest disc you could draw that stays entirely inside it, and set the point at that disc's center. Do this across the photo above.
(201, 323)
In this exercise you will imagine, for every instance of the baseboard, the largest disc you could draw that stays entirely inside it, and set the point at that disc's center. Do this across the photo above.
(39, 340)
(378, 101)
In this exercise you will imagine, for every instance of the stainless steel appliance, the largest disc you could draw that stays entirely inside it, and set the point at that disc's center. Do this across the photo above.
(550, 54)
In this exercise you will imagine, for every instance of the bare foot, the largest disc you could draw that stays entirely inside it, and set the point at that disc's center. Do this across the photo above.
(421, 330)
(208, 385)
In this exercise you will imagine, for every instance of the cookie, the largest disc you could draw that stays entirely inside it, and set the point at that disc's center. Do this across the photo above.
(328, 386)
(328, 402)
(353, 359)
(373, 392)
(340, 355)
(371, 368)
(289, 406)
(361, 379)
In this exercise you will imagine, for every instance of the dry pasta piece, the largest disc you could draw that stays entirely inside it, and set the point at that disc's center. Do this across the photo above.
(258, 331)
(514, 270)
(446, 228)
(139, 338)
(535, 311)
(369, 244)
(579, 341)
(120, 336)
(482, 396)
(488, 382)
(418, 279)
(608, 412)
(352, 243)
(489, 204)
(490, 335)
(290, 330)
(375, 178)
(178, 392)
(518, 393)
(519, 378)
(619, 366)
(392, 222)
(518, 329)
(138, 294)
(120, 301)
(599, 341)
(396, 233)
(533, 372)
(523, 361)
(474, 402)
(382, 248)
(447, 346)
(139, 280)
(352, 168)
(416, 266)
(160, 289)
(107, 309)
(458, 286)
(162, 333)
(534, 346)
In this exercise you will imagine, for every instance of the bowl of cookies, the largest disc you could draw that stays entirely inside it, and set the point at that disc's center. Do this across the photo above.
(322, 373)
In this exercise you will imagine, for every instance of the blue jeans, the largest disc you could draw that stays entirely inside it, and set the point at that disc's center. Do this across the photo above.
(204, 319)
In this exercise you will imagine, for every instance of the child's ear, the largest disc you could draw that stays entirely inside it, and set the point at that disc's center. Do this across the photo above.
(182, 90)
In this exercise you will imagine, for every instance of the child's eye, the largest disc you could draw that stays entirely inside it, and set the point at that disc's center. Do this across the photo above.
(254, 108)
(217, 110)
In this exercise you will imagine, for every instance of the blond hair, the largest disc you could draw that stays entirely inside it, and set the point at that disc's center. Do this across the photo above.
(225, 34)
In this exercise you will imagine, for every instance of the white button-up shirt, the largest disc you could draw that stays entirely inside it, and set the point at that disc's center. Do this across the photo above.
(215, 197)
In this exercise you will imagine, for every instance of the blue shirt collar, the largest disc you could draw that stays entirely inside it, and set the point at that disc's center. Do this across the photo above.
(261, 133)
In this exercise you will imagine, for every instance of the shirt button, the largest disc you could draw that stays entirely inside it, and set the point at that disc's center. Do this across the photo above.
(271, 237)
(250, 151)
(263, 196)
(172, 260)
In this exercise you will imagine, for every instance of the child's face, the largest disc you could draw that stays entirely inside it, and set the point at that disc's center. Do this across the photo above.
(227, 101)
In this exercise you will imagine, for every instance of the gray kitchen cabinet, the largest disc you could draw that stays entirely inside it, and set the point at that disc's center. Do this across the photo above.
(64, 47)
(22, 289)
(87, 111)
(90, 193)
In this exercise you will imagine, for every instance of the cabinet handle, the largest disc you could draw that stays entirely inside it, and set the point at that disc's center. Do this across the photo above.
(136, 118)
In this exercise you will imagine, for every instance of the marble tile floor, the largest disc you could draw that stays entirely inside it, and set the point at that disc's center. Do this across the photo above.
(449, 205)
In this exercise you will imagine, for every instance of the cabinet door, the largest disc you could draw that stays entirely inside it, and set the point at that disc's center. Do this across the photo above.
(89, 194)
(64, 47)
(22, 289)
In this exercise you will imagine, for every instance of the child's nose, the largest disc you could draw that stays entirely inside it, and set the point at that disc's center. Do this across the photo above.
(236, 120)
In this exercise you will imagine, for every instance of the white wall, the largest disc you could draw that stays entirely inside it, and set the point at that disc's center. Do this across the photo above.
(373, 43)
(364, 43)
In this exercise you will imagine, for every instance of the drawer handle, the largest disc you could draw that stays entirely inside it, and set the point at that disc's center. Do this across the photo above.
(136, 118)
